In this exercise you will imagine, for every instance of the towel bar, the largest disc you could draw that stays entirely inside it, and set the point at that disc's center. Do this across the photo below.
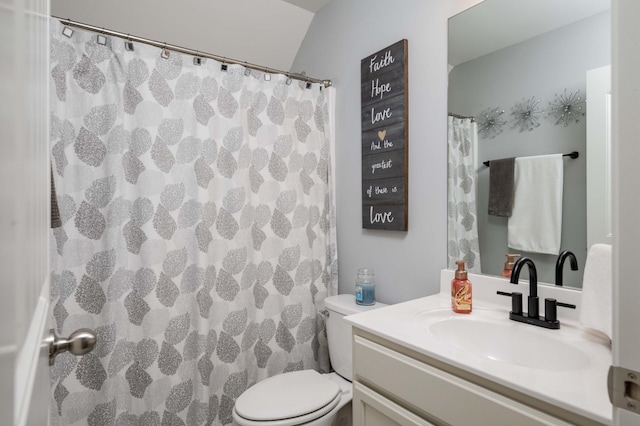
(574, 154)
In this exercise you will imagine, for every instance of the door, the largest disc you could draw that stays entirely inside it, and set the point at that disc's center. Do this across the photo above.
(24, 221)
(626, 198)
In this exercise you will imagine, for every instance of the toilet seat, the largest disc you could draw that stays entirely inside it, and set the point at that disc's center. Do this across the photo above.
(287, 399)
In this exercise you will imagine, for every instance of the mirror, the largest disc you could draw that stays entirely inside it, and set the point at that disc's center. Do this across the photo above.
(508, 52)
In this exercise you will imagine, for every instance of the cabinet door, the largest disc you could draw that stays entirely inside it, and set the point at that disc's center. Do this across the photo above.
(372, 409)
(443, 396)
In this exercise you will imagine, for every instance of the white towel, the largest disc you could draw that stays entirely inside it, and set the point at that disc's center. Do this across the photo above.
(535, 224)
(596, 310)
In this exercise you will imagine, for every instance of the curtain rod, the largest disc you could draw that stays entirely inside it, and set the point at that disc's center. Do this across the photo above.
(69, 22)
(573, 154)
(462, 116)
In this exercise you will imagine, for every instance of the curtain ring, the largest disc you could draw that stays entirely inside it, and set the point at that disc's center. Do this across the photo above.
(128, 45)
(67, 31)
(101, 39)
(165, 52)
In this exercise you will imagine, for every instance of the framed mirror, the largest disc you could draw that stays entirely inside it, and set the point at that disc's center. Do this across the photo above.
(512, 57)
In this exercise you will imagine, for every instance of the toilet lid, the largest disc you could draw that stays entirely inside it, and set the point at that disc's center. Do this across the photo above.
(286, 395)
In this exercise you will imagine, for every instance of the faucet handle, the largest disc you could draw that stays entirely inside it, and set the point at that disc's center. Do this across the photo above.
(516, 301)
(550, 310)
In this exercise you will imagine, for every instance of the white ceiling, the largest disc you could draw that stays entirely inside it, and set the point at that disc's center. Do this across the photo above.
(496, 24)
(269, 32)
(262, 32)
(310, 5)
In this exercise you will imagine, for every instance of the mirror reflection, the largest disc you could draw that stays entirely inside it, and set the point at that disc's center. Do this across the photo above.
(519, 68)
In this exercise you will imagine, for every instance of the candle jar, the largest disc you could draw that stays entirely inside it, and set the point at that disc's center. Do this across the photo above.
(365, 287)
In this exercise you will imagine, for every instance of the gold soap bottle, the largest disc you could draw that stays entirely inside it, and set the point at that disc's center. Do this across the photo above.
(461, 290)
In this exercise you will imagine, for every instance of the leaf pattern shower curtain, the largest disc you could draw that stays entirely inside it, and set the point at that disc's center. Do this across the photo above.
(198, 237)
(462, 219)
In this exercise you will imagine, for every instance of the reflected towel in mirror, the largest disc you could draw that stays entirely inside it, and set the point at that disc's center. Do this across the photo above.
(501, 177)
(535, 224)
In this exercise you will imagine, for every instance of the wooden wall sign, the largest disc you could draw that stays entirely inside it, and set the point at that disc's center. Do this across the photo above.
(385, 130)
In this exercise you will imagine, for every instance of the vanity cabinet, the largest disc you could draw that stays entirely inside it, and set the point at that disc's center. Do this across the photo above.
(393, 385)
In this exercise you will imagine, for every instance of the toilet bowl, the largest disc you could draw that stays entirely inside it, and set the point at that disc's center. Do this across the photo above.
(308, 397)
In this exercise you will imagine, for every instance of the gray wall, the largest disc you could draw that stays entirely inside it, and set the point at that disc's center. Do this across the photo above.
(540, 67)
(406, 264)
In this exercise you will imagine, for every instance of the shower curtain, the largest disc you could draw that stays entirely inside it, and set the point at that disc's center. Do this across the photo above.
(198, 235)
(462, 220)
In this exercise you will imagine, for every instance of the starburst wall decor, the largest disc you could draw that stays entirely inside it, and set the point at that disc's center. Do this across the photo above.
(567, 108)
(526, 114)
(490, 122)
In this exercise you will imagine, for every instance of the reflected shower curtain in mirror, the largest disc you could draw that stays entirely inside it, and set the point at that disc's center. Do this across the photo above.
(198, 236)
(462, 219)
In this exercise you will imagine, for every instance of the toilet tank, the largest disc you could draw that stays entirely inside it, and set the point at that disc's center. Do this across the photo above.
(339, 331)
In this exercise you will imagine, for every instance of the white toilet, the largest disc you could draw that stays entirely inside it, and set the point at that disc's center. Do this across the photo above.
(308, 397)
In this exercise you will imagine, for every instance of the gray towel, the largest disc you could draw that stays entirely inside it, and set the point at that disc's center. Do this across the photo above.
(501, 187)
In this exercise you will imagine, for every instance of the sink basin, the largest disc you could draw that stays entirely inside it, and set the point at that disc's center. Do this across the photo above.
(490, 334)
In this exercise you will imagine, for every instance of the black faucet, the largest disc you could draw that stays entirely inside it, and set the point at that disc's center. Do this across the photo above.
(532, 300)
(532, 317)
(560, 264)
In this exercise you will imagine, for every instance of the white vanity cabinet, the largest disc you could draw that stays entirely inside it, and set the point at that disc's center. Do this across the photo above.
(395, 385)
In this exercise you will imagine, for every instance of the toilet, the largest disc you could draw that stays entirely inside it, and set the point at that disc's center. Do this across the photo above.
(308, 397)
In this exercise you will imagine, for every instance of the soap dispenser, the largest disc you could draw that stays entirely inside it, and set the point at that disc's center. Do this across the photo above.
(508, 265)
(461, 290)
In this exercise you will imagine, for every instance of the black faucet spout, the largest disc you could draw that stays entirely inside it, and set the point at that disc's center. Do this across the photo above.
(532, 300)
(533, 275)
(560, 265)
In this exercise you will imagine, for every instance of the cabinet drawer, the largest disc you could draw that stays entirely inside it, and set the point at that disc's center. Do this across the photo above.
(442, 396)
(373, 409)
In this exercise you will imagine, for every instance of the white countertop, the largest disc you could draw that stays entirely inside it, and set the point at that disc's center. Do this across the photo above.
(582, 391)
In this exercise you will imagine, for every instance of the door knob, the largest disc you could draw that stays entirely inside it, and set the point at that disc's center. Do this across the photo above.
(80, 342)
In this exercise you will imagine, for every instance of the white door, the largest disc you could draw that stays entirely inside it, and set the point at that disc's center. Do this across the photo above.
(24, 221)
(626, 205)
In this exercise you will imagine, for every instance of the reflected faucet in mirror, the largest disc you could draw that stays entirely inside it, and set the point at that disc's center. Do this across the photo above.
(560, 265)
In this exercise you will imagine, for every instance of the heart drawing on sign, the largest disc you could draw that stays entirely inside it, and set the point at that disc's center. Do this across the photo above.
(382, 134)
